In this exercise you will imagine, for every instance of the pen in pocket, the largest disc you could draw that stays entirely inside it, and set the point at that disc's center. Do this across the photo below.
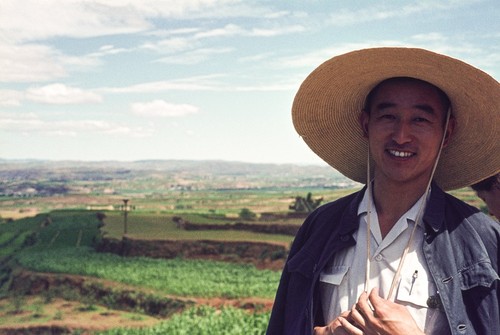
(413, 278)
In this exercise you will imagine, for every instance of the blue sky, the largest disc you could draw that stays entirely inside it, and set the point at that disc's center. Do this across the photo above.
(197, 79)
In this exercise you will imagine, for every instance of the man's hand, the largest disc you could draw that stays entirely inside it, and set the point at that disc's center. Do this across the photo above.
(335, 327)
(385, 318)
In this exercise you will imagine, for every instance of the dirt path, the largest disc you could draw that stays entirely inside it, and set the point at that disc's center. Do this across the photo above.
(62, 316)
(36, 314)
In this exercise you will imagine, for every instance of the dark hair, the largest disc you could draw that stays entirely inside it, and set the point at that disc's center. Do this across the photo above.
(445, 101)
(486, 184)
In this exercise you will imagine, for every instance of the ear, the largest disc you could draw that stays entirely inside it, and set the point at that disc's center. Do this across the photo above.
(449, 131)
(364, 117)
(496, 183)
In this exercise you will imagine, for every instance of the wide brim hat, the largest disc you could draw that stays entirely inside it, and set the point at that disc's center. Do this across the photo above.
(327, 106)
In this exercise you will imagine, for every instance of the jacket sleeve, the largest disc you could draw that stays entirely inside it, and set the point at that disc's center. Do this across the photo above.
(293, 311)
(472, 241)
(276, 324)
(483, 302)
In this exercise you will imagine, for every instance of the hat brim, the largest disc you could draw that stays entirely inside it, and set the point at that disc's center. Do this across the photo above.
(327, 106)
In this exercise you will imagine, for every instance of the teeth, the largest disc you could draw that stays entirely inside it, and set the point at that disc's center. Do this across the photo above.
(400, 153)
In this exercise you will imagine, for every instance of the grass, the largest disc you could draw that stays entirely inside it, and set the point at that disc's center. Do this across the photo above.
(221, 202)
(64, 246)
(189, 278)
(38, 311)
(204, 320)
(161, 226)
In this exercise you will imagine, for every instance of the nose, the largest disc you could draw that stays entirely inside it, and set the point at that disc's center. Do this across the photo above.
(401, 133)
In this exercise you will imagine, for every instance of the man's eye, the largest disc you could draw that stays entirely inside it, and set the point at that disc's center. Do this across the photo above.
(421, 119)
(387, 117)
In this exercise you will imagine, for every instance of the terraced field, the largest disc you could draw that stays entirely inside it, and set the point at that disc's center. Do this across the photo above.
(51, 257)
(212, 281)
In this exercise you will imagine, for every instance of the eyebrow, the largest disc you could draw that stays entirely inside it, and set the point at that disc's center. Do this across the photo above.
(426, 108)
(384, 105)
(423, 107)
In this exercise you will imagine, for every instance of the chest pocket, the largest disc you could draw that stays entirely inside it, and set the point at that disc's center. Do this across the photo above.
(334, 275)
(415, 289)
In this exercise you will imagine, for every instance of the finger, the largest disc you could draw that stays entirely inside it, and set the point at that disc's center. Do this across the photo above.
(321, 331)
(374, 297)
(357, 317)
(377, 303)
(363, 307)
(349, 327)
(329, 329)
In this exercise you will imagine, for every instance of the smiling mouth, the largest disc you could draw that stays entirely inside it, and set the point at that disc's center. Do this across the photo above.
(400, 154)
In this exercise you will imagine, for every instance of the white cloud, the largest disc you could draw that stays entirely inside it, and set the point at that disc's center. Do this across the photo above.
(170, 45)
(173, 32)
(194, 56)
(10, 98)
(227, 30)
(161, 108)
(32, 20)
(201, 83)
(192, 39)
(314, 58)
(37, 20)
(29, 62)
(485, 58)
(380, 12)
(196, 83)
(256, 57)
(36, 63)
(61, 94)
(25, 123)
(430, 37)
(107, 50)
(25, 25)
(270, 32)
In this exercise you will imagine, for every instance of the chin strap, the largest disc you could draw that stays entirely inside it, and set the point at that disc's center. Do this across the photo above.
(418, 219)
(368, 222)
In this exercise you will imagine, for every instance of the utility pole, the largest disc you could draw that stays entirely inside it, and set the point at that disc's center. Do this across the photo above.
(125, 213)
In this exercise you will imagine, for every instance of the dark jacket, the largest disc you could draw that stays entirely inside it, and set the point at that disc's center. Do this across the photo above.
(460, 247)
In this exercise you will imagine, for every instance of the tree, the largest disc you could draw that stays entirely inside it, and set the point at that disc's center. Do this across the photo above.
(100, 217)
(246, 214)
(305, 205)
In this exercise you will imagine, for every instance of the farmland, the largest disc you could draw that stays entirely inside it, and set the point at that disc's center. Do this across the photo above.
(186, 253)
(60, 258)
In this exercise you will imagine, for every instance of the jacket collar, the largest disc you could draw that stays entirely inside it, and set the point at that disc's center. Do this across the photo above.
(434, 213)
(350, 220)
(433, 216)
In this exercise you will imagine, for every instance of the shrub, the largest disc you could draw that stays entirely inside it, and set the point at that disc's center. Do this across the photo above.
(246, 214)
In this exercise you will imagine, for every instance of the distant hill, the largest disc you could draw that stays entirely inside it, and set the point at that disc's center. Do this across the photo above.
(42, 177)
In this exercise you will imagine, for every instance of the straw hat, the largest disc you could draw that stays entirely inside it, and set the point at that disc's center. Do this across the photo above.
(327, 106)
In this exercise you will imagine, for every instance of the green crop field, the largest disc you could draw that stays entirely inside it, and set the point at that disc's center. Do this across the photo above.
(61, 242)
(204, 320)
(188, 278)
(161, 226)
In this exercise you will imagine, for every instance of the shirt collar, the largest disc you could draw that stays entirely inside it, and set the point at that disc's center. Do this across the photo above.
(411, 214)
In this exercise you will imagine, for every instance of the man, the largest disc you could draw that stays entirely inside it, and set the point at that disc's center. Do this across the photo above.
(400, 256)
(489, 191)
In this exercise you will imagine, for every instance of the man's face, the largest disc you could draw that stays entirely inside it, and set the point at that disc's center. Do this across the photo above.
(404, 128)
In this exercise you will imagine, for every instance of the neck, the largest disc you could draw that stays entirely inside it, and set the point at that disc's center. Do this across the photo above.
(393, 200)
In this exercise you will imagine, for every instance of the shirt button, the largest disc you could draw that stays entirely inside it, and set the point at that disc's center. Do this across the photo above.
(379, 257)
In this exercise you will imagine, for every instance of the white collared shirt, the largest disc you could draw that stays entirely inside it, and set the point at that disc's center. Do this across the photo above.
(342, 281)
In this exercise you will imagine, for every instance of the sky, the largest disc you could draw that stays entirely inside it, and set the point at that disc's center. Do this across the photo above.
(198, 79)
